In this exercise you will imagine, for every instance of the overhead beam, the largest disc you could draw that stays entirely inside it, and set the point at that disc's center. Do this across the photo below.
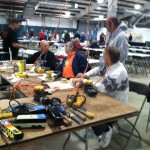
(93, 6)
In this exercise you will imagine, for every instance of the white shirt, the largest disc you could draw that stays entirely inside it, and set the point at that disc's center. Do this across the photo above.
(115, 82)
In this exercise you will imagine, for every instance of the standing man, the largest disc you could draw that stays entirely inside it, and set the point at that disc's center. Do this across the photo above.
(77, 35)
(47, 59)
(82, 39)
(102, 39)
(31, 34)
(41, 35)
(130, 38)
(10, 39)
(66, 36)
(117, 36)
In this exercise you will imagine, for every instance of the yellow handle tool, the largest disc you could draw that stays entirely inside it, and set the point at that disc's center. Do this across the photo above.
(82, 117)
(21, 75)
(6, 115)
(67, 121)
(88, 114)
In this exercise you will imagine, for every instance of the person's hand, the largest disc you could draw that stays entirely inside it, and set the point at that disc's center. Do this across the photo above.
(81, 75)
(25, 47)
(76, 81)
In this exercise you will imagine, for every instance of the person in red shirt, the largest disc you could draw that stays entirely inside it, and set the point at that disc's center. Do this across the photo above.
(102, 39)
(79, 46)
(41, 35)
(55, 35)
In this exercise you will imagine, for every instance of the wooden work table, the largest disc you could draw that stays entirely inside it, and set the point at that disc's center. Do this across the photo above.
(106, 109)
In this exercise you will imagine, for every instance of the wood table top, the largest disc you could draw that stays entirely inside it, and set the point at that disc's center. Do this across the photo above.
(106, 109)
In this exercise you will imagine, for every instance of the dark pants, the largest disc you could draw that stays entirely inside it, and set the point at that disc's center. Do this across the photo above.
(98, 130)
(5, 56)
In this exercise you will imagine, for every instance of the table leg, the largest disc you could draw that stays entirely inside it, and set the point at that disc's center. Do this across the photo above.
(86, 139)
(66, 141)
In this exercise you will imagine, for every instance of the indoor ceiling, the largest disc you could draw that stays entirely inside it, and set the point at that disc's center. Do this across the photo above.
(125, 10)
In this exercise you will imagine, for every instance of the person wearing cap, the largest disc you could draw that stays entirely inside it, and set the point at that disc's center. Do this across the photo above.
(10, 39)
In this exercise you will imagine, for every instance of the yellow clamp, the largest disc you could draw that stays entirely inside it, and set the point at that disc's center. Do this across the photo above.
(90, 115)
(80, 100)
(21, 75)
(39, 70)
(49, 73)
(39, 88)
(87, 81)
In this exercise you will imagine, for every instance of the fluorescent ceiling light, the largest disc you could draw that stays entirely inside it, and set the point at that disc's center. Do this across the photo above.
(100, 1)
(137, 6)
(101, 17)
(98, 19)
(98, 8)
(76, 5)
(67, 13)
(133, 11)
(55, 4)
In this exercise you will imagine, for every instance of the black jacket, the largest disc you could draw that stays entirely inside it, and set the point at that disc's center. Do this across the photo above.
(78, 65)
(46, 60)
(66, 38)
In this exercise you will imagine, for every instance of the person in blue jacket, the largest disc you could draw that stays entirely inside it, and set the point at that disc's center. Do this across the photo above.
(74, 63)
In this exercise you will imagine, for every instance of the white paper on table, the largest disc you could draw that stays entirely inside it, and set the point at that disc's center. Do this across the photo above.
(43, 77)
(15, 80)
(32, 74)
(60, 85)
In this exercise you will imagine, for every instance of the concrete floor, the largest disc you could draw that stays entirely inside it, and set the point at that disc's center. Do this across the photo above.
(118, 141)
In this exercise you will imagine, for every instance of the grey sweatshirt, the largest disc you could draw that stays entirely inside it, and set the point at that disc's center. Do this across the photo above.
(119, 39)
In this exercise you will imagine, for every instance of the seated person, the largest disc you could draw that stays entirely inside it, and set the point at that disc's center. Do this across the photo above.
(79, 46)
(46, 58)
(94, 44)
(114, 83)
(94, 54)
(74, 63)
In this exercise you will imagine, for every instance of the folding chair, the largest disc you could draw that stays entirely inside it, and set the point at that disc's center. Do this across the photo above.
(141, 89)
(140, 63)
(129, 65)
(148, 120)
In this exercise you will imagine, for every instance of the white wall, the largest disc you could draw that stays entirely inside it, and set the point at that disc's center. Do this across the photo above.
(83, 25)
(3, 20)
(145, 32)
(50, 22)
(45, 21)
